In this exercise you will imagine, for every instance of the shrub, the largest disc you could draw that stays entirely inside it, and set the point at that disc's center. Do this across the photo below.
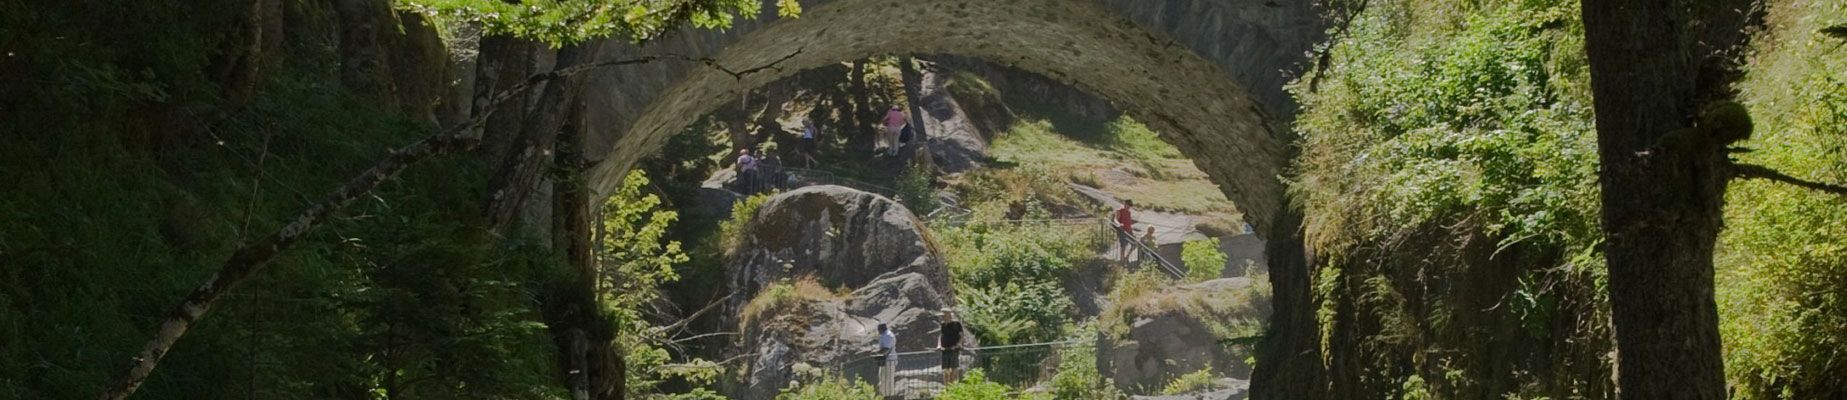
(1196, 381)
(731, 233)
(1782, 263)
(987, 255)
(1204, 260)
(1016, 313)
(782, 297)
(917, 190)
(1128, 289)
(1077, 377)
(832, 389)
(975, 386)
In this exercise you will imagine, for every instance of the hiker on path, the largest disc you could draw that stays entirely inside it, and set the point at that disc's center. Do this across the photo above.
(888, 358)
(1147, 240)
(769, 171)
(747, 171)
(1125, 220)
(810, 133)
(894, 124)
(949, 342)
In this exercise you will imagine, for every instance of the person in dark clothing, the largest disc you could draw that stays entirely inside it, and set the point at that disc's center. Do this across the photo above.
(949, 342)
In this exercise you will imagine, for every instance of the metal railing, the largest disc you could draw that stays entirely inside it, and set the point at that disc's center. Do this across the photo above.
(1145, 254)
(771, 177)
(920, 374)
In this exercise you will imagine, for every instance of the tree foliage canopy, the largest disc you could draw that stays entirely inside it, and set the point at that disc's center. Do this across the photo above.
(561, 22)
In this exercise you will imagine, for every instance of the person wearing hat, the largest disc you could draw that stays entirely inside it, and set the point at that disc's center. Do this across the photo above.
(888, 358)
(949, 342)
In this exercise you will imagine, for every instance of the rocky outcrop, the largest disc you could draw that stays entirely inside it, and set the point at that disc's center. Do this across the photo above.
(844, 238)
(839, 238)
(1181, 330)
(1241, 252)
(823, 333)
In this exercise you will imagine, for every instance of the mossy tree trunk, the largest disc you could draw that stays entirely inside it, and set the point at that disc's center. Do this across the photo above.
(585, 338)
(1662, 206)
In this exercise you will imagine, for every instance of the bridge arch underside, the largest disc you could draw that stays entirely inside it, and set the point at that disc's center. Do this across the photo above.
(1195, 104)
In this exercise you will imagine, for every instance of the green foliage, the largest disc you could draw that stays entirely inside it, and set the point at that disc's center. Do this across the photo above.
(1009, 313)
(1782, 263)
(917, 190)
(635, 259)
(1488, 123)
(1196, 381)
(402, 293)
(975, 386)
(1126, 289)
(635, 255)
(831, 389)
(561, 22)
(1008, 277)
(1204, 261)
(1452, 141)
(1077, 377)
(992, 254)
(731, 233)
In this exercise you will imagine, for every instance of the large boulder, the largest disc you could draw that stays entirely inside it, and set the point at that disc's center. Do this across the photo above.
(843, 237)
(838, 333)
(1242, 252)
(1181, 330)
(843, 260)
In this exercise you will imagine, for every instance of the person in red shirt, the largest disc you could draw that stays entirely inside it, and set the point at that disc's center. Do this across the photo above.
(1125, 220)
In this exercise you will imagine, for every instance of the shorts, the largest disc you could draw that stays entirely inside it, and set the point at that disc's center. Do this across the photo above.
(952, 358)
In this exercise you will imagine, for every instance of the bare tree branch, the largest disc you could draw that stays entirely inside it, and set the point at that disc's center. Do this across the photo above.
(695, 315)
(1325, 57)
(1750, 171)
(251, 258)
(677, 341)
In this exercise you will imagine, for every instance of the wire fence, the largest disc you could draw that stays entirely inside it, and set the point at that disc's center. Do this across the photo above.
(771, 177)
(922, 374)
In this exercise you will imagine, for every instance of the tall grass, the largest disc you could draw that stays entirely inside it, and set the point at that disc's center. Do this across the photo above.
(1782, 262)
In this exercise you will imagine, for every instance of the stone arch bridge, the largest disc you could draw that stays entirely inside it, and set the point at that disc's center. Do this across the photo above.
(1208, 74)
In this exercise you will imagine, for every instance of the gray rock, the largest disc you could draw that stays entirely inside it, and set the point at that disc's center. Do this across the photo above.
(1173, 342)
(843, 237)
(1241, 251)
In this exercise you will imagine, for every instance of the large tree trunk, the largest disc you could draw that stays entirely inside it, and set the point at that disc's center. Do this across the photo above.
(913, 94)
(593, 367)
(519, 175)
(1661, 205)
(1288, 359)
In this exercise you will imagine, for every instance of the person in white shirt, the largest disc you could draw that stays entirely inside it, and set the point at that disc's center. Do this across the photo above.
(888, 348)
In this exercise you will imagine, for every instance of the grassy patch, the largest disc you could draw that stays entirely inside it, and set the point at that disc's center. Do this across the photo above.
(1128, 160)
(783, 298)
(1229, 314)
(1196, 381)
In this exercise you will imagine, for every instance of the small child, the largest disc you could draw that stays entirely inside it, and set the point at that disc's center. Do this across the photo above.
(1148, 239)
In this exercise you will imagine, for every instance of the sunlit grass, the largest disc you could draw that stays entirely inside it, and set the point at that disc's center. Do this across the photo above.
(1130, 162)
